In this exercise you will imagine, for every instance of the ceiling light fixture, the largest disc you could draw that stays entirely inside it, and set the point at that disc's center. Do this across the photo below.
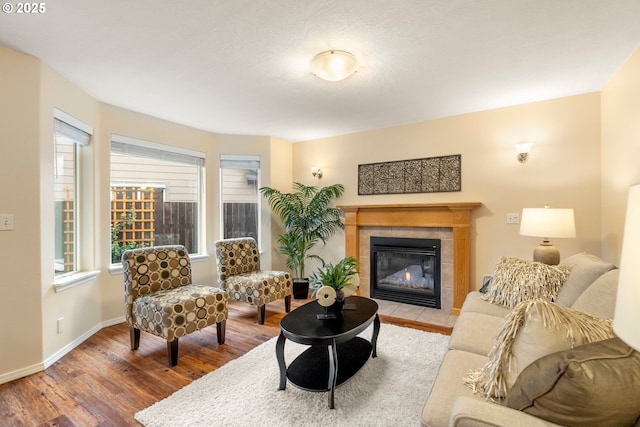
(334, 65)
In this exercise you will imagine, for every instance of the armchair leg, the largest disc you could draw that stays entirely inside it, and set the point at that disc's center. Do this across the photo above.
(220, 329)
(287, 303)
(261, 313)
(172, 348)
(134, 337)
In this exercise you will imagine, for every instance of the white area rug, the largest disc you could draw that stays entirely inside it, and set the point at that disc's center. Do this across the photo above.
(389, 390)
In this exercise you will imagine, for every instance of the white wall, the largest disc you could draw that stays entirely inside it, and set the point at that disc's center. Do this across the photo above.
(563, 170)
(620, 151)
(20, 260)
(280, 177)
(79, 306)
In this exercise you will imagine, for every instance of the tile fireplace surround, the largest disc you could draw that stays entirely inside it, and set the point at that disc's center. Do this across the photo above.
(449, 222)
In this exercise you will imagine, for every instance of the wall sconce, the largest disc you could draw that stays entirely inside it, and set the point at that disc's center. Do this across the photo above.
(523, 151)
(316, 172)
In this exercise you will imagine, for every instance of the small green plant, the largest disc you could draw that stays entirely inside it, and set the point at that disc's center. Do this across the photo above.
(336, 276)
(118, 248)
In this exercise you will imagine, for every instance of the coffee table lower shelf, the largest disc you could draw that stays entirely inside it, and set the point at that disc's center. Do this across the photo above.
(310, 370)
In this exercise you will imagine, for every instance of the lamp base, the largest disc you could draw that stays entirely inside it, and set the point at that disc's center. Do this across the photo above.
(547, 253)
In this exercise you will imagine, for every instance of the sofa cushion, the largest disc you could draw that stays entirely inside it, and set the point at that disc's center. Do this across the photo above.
(474, 303)
(593, 384)
(475, 332)
(470, 412)
(448, 386)
(600, 297)
(533, 329)
(585, 269)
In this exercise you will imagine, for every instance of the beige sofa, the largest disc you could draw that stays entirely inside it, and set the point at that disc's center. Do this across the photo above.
(590, 287)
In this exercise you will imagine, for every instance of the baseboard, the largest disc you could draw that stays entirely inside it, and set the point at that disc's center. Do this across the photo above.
(21, 373)
(38, 367)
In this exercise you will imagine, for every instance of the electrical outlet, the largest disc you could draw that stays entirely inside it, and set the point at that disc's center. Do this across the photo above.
(60, 325)
(6, 222)
(513, 218)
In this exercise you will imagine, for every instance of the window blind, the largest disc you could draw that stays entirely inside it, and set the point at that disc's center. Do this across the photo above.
(71, 132)
(239, 162)
(138, 148)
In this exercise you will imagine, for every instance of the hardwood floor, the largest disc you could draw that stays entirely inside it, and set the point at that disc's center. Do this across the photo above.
(103, 383)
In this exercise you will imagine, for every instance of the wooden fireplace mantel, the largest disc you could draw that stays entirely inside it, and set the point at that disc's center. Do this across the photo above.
(454, 215)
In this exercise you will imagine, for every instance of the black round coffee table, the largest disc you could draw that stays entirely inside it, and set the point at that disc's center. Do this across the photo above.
(333, 343)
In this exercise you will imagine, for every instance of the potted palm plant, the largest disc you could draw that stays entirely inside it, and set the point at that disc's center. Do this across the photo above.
(308, 218)
(340, 276)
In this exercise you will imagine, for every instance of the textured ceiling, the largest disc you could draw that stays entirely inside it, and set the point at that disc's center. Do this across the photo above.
(242, 66)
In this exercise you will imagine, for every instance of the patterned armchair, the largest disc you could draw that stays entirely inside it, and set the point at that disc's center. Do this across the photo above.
(160, 298)
(240, 275)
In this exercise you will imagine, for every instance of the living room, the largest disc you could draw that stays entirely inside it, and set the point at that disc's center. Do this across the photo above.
(583, 157)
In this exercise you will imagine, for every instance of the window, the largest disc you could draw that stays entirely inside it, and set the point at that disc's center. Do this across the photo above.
(239, 182)
(156, 196)
(69, 137)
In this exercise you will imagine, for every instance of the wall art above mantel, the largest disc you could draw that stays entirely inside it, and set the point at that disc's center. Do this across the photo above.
(428, 175)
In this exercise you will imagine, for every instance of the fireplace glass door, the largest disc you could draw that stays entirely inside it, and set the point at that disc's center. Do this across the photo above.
(406, 270)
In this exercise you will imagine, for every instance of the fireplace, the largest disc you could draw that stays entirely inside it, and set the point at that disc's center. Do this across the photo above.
(405, 270)
(450, 222)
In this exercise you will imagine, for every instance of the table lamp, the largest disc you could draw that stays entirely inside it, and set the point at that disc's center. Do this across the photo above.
(547, 223)
(626, 320)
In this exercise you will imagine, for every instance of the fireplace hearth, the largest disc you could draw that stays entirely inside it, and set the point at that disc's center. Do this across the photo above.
(406, 270)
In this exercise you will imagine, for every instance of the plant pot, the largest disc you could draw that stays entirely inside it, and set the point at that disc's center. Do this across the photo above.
(337, 306)
(300, 288)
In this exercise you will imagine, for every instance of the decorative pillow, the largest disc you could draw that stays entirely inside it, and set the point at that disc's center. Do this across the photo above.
(516, 280)
(595, 384)
(585, 269)
(533, 329)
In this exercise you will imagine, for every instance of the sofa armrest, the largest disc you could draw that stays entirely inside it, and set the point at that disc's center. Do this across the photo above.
(469, 412)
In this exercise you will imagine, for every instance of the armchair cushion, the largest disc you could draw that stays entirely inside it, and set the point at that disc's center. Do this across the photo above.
(236, 256)
(259, 287)
(173, 313)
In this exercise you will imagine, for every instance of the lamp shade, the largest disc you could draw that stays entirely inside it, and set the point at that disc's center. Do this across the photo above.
(626, 320)
(547, 222)
(334, 65)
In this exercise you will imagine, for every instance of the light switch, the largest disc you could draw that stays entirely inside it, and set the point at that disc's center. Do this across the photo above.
(513, 218)
(6, 222)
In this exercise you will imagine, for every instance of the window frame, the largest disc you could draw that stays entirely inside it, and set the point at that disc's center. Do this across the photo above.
(152, 150)
(241, 161)
(80, 134)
